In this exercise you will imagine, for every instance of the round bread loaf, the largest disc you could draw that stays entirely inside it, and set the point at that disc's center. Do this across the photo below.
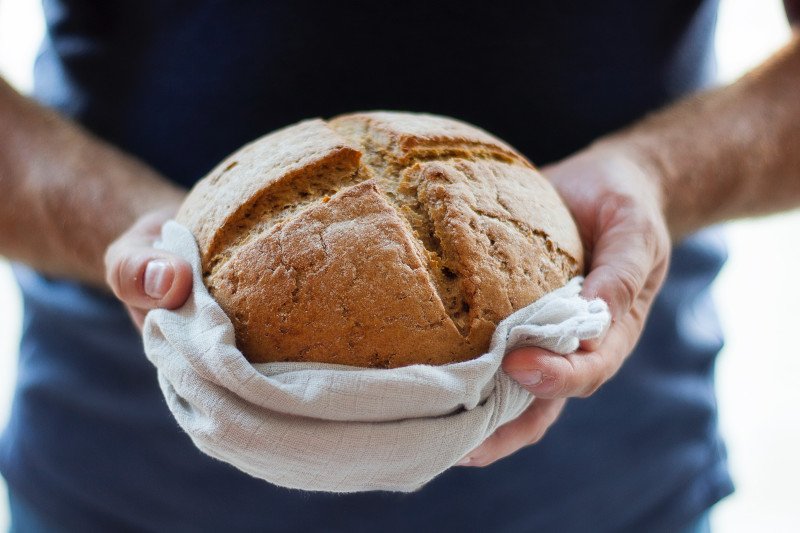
(377, 239)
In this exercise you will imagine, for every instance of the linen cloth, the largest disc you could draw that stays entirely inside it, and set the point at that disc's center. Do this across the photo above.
(337, 428)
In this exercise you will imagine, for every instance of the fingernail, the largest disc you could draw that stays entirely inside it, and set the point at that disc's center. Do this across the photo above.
(465, 461)
(157, 279)
(529, 378)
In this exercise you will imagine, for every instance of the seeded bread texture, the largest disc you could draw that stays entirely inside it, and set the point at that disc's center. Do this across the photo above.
(377, 239)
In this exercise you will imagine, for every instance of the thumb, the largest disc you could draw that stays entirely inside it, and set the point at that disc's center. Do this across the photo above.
(147, 278)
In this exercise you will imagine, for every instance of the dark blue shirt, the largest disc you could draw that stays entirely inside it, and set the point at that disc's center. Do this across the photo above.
(180, 84)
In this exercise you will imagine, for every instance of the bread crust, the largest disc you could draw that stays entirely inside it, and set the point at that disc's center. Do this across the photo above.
(377, 239)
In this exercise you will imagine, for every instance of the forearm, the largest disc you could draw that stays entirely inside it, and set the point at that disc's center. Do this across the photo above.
(727, 153)
(64, 194)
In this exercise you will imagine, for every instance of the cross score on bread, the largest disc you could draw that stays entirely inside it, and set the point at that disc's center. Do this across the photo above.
(378, 240)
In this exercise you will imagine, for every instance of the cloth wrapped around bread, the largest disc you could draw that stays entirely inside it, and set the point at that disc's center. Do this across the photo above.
(377, 239)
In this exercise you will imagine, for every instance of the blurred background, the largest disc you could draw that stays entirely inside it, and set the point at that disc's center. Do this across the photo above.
(757, 293)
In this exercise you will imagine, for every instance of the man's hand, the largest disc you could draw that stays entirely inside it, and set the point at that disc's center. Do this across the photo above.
(714, 156)
(142, 276)
(619, 211)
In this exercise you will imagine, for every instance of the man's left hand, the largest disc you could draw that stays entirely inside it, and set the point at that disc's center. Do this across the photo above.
(618, 206)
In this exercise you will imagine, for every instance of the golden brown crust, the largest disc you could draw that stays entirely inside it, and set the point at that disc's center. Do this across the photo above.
(341, 282)
(219, 207)
(378, 239)
(403, 138)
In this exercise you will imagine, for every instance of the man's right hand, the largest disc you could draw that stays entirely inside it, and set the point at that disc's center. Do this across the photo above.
(142, 276)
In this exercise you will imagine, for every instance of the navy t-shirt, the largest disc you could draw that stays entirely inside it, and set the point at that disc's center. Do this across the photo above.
(180, 84)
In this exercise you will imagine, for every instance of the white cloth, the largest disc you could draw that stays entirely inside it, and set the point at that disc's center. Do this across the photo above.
(338, 428)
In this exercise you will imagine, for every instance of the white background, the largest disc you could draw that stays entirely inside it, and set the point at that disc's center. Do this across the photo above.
(757, 293)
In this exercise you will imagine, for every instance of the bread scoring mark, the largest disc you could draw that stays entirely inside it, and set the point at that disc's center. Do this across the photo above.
(570, 264)
(446, 193)
(395, 163)
(443, 269)
(469, 308)
(298, 277)
(294, 193)
(567, 264)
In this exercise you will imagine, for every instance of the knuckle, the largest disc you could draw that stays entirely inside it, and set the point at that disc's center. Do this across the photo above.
(648, 228)
(663, 245)
(561, 384)
(555, 383)
(656, 238)
(484, 459)
(481, 462)
(608, 373)
(127, 272)
(628, 285)
(500, 434)
(590, 386)
(614, 205)
(537, 434)
(604, 372)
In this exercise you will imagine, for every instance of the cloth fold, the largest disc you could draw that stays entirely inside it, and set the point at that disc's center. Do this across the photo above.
(337, 428)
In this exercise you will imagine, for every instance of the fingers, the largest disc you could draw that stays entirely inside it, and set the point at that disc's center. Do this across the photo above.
(623, 257)
(620, 217)
(146, 278)
(549, 375)
(524, 430)
(627, 277)
(142, 276)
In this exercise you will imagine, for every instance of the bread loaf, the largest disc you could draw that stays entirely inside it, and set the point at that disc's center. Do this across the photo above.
(377, 240)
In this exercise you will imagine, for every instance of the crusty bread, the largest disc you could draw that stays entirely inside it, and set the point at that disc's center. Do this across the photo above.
(377, 239)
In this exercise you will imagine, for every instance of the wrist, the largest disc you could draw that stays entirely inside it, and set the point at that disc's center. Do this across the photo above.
(630, 157)
(632, 160)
